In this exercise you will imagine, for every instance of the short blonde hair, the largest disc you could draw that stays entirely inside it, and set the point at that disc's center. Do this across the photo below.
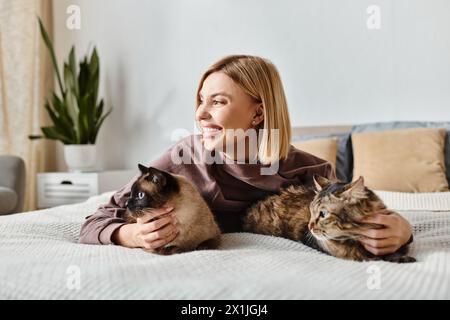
(259, 78)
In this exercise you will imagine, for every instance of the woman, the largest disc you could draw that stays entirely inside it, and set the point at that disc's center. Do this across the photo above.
(237, 92)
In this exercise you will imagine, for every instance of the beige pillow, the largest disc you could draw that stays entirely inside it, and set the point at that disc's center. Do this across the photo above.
(410, 160)
(325, 148)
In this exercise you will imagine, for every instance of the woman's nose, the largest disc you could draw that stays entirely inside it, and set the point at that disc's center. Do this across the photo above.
(202, 113)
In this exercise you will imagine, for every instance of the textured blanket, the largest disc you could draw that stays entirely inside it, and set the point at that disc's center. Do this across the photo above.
(40, 259)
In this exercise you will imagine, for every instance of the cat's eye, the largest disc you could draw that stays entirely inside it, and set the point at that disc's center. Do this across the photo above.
(323, 214)
(141, 195)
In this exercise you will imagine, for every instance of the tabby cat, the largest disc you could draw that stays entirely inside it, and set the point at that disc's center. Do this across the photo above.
(323, 218)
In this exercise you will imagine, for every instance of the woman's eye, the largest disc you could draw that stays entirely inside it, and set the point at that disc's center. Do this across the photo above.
(141, 195)
(323, 214)
(217, 102)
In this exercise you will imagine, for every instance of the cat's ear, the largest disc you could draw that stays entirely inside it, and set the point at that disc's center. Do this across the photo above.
(156, 176)
(320, 182)
(142, 168)
(355, 190)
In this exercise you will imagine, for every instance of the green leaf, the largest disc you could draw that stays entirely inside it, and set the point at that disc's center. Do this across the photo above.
(94, 62)
(73, 69)
(90, 114)
(99, 111)
(83, 119)
(99, 124)
(51, 113)
(72, 109)
(69, 79)
(49, 45)
(64, 116)
(61, 108)
(59, 122)
(52, 133)
(35, 137)
(83, 78)
(94, 69)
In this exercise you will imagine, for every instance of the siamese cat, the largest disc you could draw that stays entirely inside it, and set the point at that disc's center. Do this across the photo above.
(324, 218)
(155, 189)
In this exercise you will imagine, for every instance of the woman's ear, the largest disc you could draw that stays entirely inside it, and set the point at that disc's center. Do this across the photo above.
(259, 115)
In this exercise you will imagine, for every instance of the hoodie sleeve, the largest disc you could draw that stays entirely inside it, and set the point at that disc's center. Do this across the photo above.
(98, 227)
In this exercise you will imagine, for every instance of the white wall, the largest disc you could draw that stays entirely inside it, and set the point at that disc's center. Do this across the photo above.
(335, 70)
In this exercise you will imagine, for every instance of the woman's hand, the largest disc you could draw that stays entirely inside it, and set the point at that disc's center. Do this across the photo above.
(395, 233)
(146, 234)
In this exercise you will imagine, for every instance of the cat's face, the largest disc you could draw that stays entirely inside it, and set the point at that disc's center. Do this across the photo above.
(150, 190)
(336, 208)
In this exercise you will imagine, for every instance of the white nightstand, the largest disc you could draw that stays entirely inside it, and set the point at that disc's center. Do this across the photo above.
(59, 188)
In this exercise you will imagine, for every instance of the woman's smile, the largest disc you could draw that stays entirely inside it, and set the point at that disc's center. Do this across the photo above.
(210, 130)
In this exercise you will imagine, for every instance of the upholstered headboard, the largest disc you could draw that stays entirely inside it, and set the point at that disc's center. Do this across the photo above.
(316, 130)
(344, 158)
(345, 153)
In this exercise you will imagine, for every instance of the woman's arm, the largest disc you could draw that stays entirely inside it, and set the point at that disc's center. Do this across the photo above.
(106, 225)
(98, 227)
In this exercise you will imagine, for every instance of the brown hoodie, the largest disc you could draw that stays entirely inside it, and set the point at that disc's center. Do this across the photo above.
(228, 188)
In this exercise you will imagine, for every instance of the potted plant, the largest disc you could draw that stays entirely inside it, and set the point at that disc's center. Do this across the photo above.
(76, 113)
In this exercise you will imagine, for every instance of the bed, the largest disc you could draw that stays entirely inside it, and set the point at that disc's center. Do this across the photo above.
(41, 259)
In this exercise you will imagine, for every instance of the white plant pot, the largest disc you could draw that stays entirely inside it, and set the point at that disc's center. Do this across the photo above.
(80, 157)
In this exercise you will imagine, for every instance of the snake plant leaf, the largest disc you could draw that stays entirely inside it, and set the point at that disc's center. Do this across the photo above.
(90, 113)
(99, 111)
(57, 121)
(35, 136)
(64, 118)
(83, 119)
(51, 113)
(49, 45)
(53, 117)
(61, 109)
(99, 124)
(83, 78)
(51, 133)
(69, 79)
(94, 69)
(73, 69)
(72, 108)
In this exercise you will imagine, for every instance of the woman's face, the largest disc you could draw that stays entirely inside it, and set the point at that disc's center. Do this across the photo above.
(224, 105)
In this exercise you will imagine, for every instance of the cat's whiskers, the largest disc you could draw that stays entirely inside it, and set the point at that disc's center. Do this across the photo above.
(320, 237)
(309, 238)
(324, 237)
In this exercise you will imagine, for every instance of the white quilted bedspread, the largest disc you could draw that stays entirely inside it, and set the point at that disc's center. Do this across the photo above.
(40, 259)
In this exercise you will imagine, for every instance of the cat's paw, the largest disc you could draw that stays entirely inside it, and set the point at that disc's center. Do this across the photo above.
(209, 244)
(406, 259)
(165, 251)
(398, 258)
